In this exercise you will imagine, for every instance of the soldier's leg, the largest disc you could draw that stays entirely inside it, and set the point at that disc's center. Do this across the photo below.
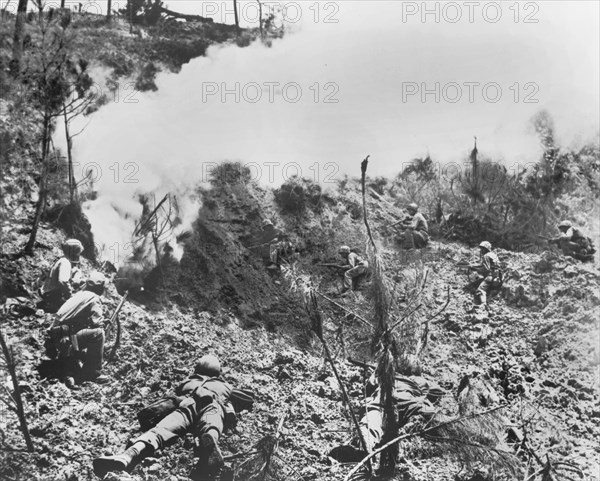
(483, 289)
(347, 281)
(92, 340)
(164, 433)
(419, 239)
(208, 432)
(172, 426)
(357, 274)
(371, 427)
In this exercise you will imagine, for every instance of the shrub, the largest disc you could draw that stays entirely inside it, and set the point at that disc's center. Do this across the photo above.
(297, 195)
(229, 173)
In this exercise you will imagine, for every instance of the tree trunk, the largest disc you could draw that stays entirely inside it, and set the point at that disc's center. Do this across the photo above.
(62, 4)
(41, 203)
(235, 13)
(10, 365)
(260, 19)
(109, 11)
(72, 185)
(17, 52)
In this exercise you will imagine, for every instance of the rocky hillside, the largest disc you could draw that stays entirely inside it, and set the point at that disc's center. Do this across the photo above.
(537, 347)
(536, 350)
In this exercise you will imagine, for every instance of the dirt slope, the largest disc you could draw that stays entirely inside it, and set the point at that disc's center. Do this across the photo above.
(538, 348)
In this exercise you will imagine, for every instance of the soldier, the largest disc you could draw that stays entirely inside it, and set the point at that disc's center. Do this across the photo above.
(412, 395)
(573, 243)
(205, 409)
(488, 272)
(64, 277)
(81, 319)
(416, 229)
(354, 268)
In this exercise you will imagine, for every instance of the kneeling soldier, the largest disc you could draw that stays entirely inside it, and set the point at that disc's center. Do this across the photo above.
(573, 242)
(81, 318)
(355, 267)
(64, 277)
(488, 271)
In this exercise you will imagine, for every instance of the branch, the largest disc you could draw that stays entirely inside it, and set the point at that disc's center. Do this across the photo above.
(363, 170)
(443, 308)
(360, 318)
(10, 364)
(404, 318)
(317, 326)
(418, 433)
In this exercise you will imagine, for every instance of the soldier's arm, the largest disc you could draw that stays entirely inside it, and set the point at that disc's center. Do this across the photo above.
(96, 314)
(64, 277)
(486, 265)
(77, 279)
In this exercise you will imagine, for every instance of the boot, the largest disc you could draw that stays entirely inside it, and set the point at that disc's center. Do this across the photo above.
(121, 462)
(211, 458)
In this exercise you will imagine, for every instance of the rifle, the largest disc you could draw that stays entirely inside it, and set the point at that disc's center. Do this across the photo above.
(405, 220)
(548, 239)
(332, 265)
(464, 265)
(364, 365)
(113, 318)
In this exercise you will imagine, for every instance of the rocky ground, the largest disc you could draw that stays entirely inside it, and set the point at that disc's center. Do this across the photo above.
(538, 347)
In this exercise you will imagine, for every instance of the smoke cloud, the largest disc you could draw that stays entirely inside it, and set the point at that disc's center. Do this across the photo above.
(315, 103)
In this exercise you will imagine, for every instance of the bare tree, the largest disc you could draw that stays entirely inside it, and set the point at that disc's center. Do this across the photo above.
(159, 225)
(260, 17)
(67, 118)
(60, 86)
(13, 400)
(235, 13)
(17, 52)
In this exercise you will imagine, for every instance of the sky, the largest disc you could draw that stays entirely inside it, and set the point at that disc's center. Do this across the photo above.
(391, 79)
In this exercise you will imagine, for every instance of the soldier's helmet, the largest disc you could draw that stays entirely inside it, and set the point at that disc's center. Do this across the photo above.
(72, 249)
(344, 250)
(96, 280)
(565, 224)
(266, 223)
(412, 206)
(486, 245)
(208, 365)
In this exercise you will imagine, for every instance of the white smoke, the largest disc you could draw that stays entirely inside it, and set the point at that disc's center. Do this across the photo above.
(320, 99)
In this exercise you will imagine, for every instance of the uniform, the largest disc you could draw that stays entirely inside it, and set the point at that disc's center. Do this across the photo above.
(58, 287)
(420, 230)
(83, 314)
(358, 268)
(204, 411)
(489, 270)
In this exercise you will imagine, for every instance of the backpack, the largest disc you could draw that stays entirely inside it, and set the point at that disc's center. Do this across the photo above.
(151, 415)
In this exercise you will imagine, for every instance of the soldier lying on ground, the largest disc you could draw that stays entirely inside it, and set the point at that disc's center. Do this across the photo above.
(355, 268)
(416, 230)
(412, 396)
(203, 407)
(488, 271)
(573, 242)
(64, 277)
